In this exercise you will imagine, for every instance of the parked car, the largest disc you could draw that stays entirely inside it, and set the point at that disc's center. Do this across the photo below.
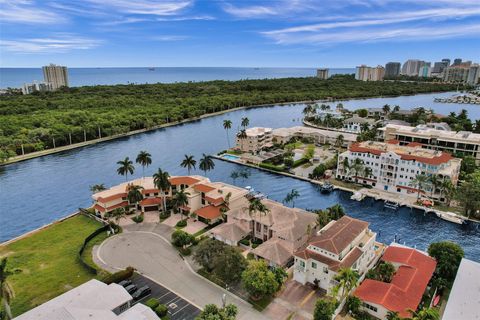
(141, 293)
(131, 288)
(125, 283)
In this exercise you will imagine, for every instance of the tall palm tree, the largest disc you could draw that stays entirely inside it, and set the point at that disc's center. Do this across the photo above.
(336, 211)
(245, 122)
(419, 182)
(144, 159)
(347, 280)
(339, 141)
(346, 166)
(206, 163)
(227, 125)
(181, 200)
(396, 108)
(162, 183)
(6, 290)
(434, 182)
(97, 188)
(189, 163)
(135, 195)
(256, 206)
(117, 214)
(386, 109)
(367, 172)
(357, 167)
(242, 134)
(126, 167)
(448, 189)
(291, 196)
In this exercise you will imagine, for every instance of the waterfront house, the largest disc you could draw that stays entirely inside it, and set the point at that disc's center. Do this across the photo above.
(93, 300)
(345, 243)
(413, 271)
(255, 140)
(355, 124)
(282, 230)
(317, 136)
(393, 167)
(462, 142)
(206, 200)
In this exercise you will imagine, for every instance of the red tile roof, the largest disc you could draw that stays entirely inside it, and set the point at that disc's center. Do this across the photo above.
(119, 205)
(183, 180)
(144, 191)
(408, 284)
(436, 160)
(214, 201)
(209, 212)
(150, 201)
(340, 234)
(200, 187)
(112, 197)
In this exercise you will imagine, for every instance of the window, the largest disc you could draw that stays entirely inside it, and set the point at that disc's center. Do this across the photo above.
(366, 305)
(325, 270)
(314, 265)
(302, 263)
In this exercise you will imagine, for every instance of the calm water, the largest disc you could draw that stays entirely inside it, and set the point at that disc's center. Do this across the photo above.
(16, 77)
(41, 190)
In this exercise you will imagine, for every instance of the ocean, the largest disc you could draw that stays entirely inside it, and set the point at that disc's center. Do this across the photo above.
(16, 77)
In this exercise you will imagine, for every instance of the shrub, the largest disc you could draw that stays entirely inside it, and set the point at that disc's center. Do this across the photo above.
(138, 219)
(164, 215)
(299, 162)
(245, 242)
(257, 241)
(119, 276)
(250, 256)
(181, 239)
(152, 303)
(181, 224)
(185, 251)
(161, 310)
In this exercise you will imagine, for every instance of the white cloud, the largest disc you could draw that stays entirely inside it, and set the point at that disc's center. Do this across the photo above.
(23, 11)
(121, 21)
(187, 18)
(146, 7)
(251, 11)
(169, 38)
(58, 43)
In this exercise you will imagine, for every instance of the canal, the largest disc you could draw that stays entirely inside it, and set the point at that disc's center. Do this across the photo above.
(39, 191)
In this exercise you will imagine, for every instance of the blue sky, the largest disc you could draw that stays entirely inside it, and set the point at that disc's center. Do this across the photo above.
(275, 33)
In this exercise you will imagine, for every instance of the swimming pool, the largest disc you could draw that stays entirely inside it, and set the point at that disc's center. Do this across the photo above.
(230, 157)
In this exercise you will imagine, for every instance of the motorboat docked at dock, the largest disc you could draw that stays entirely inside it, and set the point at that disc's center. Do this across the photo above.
(451, 217)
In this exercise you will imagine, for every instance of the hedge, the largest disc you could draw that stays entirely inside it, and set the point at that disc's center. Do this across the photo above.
(85, 242)
(299, 162)
(181, 223)
(119, 276)
(152, 303)
(271, 167)
(161, 310)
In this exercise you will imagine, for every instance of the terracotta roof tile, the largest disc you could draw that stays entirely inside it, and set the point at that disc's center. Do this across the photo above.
(209, 212)
(150, 201)
(200, 187)
(186, 180)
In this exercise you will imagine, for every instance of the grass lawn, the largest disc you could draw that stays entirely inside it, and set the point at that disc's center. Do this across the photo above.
(47, 262)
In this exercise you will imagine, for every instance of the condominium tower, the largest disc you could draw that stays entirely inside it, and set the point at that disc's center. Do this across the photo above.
(56, 75)
(322, 74)
(366, 73)
(392, 69)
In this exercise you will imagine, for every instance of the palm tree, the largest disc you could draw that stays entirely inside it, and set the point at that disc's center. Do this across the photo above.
(339, 141)
(367, 172)
(97, 188)
(117, 214)
(346, 166)
(189, 163)
(227, 125)
(396, 108)
(425, 314)
(126, 167)
(162, 183)
(448, 189)
(134, 194)
(206, 163)
(386, 109)
(181, 200)
(242, 134)
(336, 211)
(6, 290)
(291, 196)
(144, 159)
(364, 127)
(419, 182)
(245, 122)
(347, 280)
(256, 206)
(357, 167)
(434, 182)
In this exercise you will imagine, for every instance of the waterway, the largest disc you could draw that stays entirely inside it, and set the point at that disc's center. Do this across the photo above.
(41, 190)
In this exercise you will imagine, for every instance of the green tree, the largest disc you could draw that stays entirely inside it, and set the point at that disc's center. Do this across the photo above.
(393, 315)
(419, 183)
(227, 125)
(117, 214)
(347, 280)
(6, 291)
(259, 280)
(212, 312)
(280, 275)
(339, 141)
(468, 194)
(206, 252)
(144, 159)
(353, 304)
(255, 206)
(245, 122)
(336, 211)
(324, 309)
(180, 200)
(134, 194)
(125, 167)
(425, 314)
(448, 256)
(468, 165)
(181, 239)
(229, 264)
(362, 113)
(161, 180)
(188, 162)
(97, 188)
(319, 171)
(206, 163)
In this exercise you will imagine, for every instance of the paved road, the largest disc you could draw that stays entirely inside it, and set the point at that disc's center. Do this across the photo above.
(178, 308)
(151, 254)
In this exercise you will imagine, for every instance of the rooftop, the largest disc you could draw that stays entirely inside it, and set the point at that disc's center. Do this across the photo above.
(257, 131)
(408, 284)
(286, 132)
(422, 131)
(464, 299)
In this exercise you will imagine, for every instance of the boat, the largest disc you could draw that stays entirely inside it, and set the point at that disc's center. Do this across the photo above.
(390, 205)
(450, 218)
(358, 196)
(326, 187)
(151, 69)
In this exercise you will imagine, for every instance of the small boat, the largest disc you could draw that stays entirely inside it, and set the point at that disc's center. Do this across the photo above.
(450, 218)
(151, 69)
(390, 205)
(358, 196)
(326, 187)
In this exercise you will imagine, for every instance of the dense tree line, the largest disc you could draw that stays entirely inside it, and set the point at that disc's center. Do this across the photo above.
(44, 120)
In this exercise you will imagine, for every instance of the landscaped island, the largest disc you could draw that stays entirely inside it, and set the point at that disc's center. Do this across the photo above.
(44, 121)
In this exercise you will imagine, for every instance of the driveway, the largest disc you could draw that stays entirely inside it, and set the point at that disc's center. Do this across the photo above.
(148, 250)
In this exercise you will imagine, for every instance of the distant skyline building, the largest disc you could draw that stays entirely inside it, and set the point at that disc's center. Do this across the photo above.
(425, 71)
(447, 61)
(322, 74)
(392, 69)
(412, 66)
(56, 75)
(457, 61)
(29, 88)
(366, 73)
(456, 73)
(473, 74)
(438, 67)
